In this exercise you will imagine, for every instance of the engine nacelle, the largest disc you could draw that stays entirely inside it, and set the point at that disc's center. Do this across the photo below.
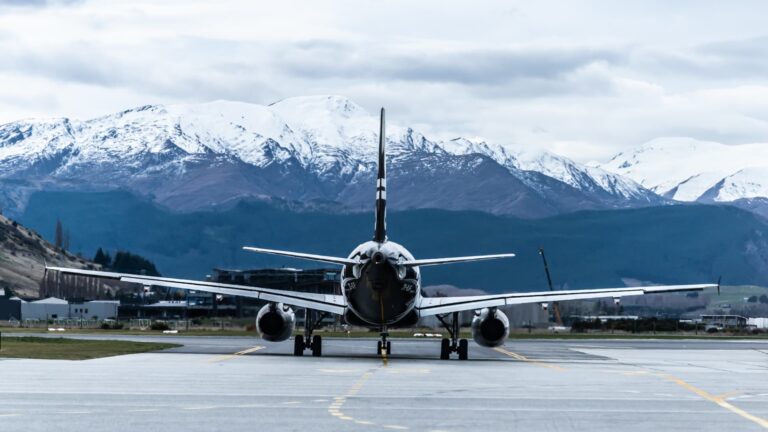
(275, 322)
(490, 327)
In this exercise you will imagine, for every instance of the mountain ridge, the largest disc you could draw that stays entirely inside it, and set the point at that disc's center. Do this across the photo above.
(190, 157)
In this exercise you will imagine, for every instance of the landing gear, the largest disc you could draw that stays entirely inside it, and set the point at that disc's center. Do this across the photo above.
(454, 344)
(298, 345)
(463, 349)
(384, 347)
(317, 346)
(307, 341)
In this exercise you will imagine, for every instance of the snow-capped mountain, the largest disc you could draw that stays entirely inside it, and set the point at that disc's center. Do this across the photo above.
(310, 149)
(586, 178)
(685, 169)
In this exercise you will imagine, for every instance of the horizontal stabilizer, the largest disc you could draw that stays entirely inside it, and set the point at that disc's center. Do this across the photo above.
(305, 256)
(439, 261)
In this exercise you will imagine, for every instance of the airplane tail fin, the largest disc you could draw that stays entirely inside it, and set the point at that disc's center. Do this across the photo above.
(380, 229)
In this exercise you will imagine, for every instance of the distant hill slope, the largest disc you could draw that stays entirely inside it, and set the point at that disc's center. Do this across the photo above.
(22, 256)
(670, 244)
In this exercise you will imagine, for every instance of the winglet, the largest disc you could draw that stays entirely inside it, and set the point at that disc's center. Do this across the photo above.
(718, 284)
(380, 228)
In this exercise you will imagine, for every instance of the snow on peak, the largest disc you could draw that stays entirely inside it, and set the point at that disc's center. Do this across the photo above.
(322, 105)
(327, 135)
(519, 158)
(685, 169)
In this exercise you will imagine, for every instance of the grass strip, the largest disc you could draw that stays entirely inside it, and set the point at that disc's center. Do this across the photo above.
(73, 349)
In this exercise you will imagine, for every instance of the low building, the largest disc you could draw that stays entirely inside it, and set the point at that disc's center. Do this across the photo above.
(758, 323)
(45, 309)
(724, 321)
(55, 308)
(321, 281)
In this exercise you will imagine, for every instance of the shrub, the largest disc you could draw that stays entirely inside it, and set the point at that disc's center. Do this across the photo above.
(159, 326)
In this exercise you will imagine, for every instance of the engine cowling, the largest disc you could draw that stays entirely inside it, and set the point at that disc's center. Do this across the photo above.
(490, 327)
(274, 322)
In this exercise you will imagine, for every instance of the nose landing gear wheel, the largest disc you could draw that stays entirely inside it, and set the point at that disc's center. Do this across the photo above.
(383, 347)
(298, 346)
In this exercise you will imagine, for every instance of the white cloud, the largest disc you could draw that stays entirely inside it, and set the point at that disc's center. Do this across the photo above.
(583, 78)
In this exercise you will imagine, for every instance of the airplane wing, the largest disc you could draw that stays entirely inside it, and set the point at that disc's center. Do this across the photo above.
(438, 261)
(334, 304)
(306, 256)
(440, 305)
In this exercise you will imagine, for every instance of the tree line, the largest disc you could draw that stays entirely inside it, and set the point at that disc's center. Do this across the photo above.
(125, 262)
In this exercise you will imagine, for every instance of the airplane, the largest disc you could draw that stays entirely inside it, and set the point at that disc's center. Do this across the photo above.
(381, 289)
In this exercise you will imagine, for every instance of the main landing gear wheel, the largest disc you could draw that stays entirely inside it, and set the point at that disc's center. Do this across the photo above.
(445, 349)
(298, 345)
(317, 346)
(454, 344)
(463, 349)
(308, 341)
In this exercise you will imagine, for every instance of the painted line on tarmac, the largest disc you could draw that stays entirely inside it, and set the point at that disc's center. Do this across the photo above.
(718, 400)
(520, 357)
(237, 354)
(335, 409)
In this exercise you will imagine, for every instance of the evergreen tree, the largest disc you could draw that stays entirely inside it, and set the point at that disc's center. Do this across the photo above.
(126, 262)
(59, 236)
(100, 258)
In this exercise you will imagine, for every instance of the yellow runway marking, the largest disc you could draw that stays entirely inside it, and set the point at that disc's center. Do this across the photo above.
(733, 393)
(720, 401)
(335, 409)
(237, 354)
(517, 356)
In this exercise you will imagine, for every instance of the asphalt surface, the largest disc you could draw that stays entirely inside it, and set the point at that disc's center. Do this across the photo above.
(234, 383)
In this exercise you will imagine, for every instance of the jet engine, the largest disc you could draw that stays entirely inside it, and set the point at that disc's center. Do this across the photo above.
(275, 322)
(490, 327)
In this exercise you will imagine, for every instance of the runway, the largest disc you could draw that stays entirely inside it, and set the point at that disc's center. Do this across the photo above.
(236, 383)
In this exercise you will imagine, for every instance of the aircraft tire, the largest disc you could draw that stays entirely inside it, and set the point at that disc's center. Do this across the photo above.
(317, 346)
(445, 349)
(298, 346)
(463, 349)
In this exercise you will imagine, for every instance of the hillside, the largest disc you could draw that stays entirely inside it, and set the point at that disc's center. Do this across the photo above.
(22, 256)
(670, 244)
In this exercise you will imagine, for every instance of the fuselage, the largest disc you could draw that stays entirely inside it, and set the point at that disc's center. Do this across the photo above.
(381, 291)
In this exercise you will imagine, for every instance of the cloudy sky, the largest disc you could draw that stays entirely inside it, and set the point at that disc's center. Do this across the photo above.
(582, 78)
